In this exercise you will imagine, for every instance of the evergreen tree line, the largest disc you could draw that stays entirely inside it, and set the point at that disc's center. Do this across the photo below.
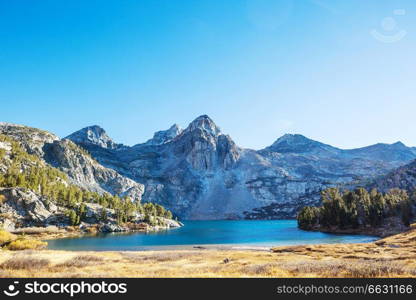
(358, 208)
(28, 171)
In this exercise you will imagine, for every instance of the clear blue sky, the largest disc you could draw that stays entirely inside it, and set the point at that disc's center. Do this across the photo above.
(259, 68)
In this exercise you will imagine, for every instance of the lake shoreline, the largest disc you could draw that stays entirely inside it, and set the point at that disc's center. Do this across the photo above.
(239, 234)
(53, 233)
(391, 226)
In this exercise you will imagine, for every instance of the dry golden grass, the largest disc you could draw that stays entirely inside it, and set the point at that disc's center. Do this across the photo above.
(39, 230)
(26, 244)
(24, 263)
(80, 261)
(391, 257)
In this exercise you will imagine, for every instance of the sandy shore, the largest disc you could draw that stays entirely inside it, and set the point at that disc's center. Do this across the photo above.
(394, 256)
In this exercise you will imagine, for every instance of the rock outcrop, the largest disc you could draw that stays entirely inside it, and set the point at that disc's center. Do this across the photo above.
(22, 208)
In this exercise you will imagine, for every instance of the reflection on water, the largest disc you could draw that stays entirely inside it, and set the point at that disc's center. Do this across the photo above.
(261, 233)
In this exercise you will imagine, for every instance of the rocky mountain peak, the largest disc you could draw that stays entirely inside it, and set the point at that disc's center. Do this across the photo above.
(165, 136)
(293, 139)
(399, 145)
(297, 143)
(93, 135)
(205, 124)
(205, 147)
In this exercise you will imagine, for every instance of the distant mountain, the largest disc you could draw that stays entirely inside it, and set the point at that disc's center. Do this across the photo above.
(200, 173)
(385, 152)
(296, 143)
(299, 144)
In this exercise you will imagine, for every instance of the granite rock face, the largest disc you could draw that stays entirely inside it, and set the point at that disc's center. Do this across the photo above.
(85, 172)
(24, 208)
(165, 136)
(32, 139)
(200, 173)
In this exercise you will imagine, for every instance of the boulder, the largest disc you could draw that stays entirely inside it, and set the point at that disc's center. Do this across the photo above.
(106, 228)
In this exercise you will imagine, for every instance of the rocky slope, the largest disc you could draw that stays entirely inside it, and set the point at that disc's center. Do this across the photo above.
(66, 156)
(21, 208)
(200, 173)
(403, 177)
(46, 181)
(24, 208)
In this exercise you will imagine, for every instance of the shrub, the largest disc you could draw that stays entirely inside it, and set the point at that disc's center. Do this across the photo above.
(308, 217)
(25, 244)
(6, 237)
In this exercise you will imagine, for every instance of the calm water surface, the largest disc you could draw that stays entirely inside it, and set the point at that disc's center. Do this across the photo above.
(250, 233)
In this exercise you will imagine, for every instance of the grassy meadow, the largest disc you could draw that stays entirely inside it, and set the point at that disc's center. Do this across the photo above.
(394, 256)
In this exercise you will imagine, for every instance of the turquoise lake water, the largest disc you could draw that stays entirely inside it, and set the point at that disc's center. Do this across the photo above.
(250, 233)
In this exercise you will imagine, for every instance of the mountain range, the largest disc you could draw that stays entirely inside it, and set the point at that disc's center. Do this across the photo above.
(200, 173)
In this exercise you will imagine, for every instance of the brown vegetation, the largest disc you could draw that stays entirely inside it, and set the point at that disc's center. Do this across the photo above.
(24, 263)
(26, 244)
(6, 237)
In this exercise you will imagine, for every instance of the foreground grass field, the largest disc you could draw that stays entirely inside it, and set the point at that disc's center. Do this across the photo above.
(394, 256)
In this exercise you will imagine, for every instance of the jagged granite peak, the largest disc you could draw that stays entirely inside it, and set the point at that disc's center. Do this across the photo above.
(165, 136)
(93, 135)
(204, 123)
(205, 147)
